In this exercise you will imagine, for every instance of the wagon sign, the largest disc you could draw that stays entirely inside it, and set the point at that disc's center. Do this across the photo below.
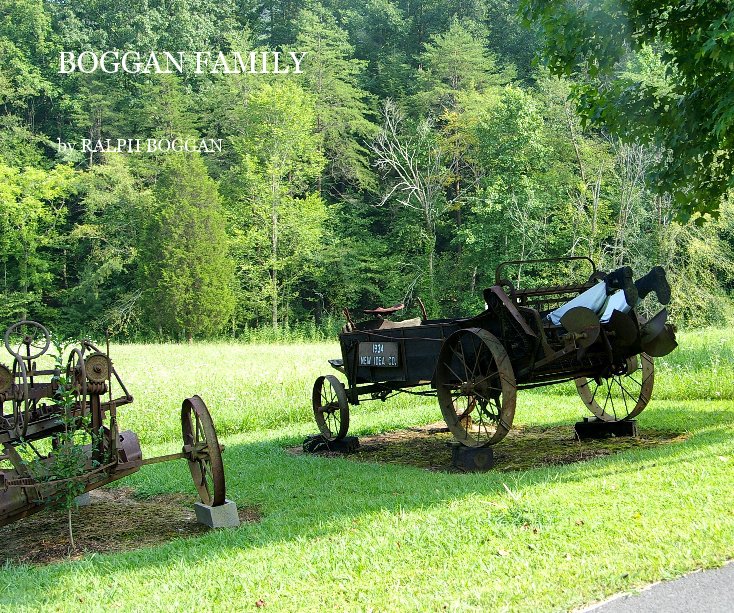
(379, 355)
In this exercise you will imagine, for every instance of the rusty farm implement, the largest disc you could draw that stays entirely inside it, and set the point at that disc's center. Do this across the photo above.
(81, 391)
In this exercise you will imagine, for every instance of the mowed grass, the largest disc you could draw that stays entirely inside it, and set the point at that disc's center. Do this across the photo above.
(340, 535)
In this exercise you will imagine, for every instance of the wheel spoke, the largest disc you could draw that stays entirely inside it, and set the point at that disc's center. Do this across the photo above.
(624, 398)
(461, 380)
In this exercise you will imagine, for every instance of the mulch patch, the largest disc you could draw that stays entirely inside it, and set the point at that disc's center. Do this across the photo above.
(116, 520)
(524, 448)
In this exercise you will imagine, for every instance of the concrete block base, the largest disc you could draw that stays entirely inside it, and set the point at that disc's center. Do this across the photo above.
(83, 500)
(471, 459)
(223, 516)
(598, 429)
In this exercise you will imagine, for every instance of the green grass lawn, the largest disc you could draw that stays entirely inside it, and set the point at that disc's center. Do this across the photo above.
(340, 535)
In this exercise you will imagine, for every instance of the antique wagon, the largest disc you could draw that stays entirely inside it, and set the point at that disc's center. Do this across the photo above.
(41, 405)
(476, 365)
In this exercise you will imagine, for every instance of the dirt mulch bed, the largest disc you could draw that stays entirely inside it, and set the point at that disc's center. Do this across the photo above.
(522, 449)
(116, 520)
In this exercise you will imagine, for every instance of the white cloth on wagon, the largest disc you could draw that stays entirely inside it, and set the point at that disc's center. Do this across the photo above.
(596, 299)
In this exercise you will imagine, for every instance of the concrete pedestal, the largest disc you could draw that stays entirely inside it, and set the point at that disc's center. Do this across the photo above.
(317, 443)
(596, 428)
(223, 516)
(83, 500)
(471, 459)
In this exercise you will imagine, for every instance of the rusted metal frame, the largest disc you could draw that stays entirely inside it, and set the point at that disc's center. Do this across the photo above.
(188, 453)
(505, 300)
(391, 386)
(499, 268)
(34, 508)
(26, 482)
(553, 290)
(113, 370)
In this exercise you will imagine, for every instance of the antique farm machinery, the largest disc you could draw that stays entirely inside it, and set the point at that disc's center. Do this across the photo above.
(476, 365)
(41, 405)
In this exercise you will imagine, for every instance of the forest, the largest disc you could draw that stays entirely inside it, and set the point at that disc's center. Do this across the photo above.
(423, 143)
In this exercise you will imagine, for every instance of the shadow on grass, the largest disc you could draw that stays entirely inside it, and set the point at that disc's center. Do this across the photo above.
(309, 497)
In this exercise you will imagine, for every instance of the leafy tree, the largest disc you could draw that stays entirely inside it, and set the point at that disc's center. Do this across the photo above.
(25, 48)
(187, 273)
(334, 76)
(510, 218)
(31, 222)
(678, 95)
(275, 214)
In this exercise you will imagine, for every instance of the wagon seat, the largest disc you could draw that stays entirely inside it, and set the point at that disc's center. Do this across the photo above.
(377, 323)
(528, 307)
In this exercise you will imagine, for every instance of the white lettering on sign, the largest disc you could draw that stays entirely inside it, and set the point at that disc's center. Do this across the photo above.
(379, 355)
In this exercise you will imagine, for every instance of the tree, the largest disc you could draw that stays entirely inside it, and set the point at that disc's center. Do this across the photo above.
(411, 162)
(32, 212)
(677, 93)
(452, 63)
(187, 272)
(333, 75)
(275, 214)
(106, 240)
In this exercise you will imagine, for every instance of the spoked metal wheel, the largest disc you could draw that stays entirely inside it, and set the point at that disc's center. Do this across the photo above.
(21, 404)
(620, 396)
(330, 407)
(476, 387)
(30, 335)
(202, 451)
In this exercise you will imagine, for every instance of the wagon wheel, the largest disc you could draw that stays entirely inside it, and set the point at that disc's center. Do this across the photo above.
(623, 395)
(330, 407)
(203, 452)
(476, 387)
(76, 377)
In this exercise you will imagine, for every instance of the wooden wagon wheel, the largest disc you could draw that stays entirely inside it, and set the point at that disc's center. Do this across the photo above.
(476, 387)
(203, 452)
(330, 407)
(621, 396)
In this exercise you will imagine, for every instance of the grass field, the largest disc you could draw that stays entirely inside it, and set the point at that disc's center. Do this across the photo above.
(340, 535)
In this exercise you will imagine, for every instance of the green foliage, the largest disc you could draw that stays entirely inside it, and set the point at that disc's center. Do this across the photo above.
(277, 219)
(676, 93)
(453, 63)
(486, 159)
(341, 105)
(63, 469)
(185, 260)
(32, 212)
